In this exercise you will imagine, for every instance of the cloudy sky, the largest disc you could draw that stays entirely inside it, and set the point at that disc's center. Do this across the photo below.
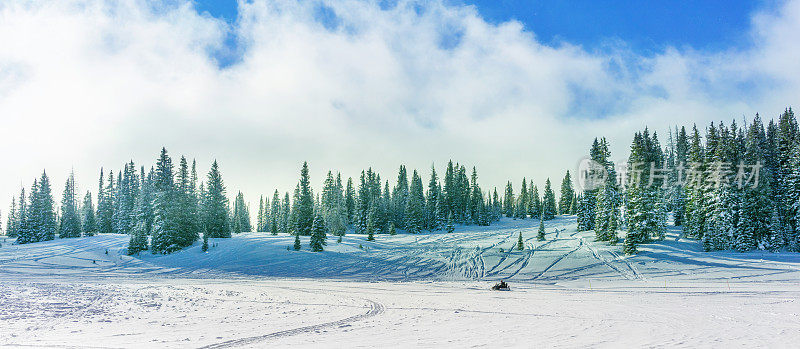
(515, 88)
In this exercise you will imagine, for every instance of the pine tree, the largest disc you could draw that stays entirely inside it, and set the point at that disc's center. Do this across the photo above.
(12, 224)
(508, 201)
(400, 198)
(165, 231)
(536, 203)
(89, 220)
(241, 215)
(415, 206)
(276, 213)
(318, 235)
(305, 203)
(521, 210)
(297, 245)
(186, 201)
(144, 218)
(520, 243)
(70, 222)
(567, 192)
(432, 214)
(549, 209)
(216, 218)
(392, 230)
(540, 234)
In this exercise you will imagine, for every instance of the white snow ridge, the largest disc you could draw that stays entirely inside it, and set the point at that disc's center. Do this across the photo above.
(406, 290)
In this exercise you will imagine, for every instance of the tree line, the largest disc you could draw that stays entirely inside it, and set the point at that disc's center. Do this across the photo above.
(167, 208)
(733, 188)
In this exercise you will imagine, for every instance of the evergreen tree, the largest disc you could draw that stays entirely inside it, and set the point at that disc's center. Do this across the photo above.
(145, 216)
(12, 224)
(276, 213)
(540, 234)
(318, 235)
(350, 200)
(521, 211)
(165, 231)
(89, 220)
(567, 192)
(186, 201)
(536, 202)
(549, 209)
(260, 225)
(216, 205)
(70, 222)
(520, 243)
(241, 215)
(432, 214)
(305, 203)
(415, 206)
(400, 197)
(508, 201)
(297, 245)
(205, 241)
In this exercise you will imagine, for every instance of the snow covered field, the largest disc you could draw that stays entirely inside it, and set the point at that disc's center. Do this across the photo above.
(423, 290)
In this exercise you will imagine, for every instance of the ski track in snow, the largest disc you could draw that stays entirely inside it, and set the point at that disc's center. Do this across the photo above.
(375, 309)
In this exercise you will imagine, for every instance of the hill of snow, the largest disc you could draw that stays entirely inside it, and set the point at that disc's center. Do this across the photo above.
(427, 289)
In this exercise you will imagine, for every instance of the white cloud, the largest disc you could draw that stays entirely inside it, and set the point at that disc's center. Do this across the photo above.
(86, 84)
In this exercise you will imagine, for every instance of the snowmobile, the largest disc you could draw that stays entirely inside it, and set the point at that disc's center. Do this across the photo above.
(502, 286)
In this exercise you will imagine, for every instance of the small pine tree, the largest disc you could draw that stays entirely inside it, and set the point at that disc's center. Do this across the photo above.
(370, 235)
(392, 230)
(520, 243)
(540, 235)
(205, 241)
(297, 242)
(318, 235)
(629, 246)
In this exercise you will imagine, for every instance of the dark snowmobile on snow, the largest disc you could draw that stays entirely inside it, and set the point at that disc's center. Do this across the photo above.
(502, 286)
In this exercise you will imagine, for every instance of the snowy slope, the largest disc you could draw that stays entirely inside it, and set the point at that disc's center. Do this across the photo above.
(470, 253)
(420, 290)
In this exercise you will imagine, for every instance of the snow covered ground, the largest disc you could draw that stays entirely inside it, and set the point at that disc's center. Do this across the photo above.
(422, 290)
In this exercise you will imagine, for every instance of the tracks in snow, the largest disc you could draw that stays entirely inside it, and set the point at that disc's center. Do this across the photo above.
(374, 310)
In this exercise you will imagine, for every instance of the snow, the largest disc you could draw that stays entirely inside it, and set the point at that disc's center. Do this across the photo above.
(429, 289)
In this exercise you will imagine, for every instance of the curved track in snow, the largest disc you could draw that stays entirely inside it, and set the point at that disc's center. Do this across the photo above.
(375, 309)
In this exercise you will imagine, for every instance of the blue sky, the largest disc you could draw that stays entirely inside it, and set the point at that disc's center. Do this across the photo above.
(298, 91)
(646, 27)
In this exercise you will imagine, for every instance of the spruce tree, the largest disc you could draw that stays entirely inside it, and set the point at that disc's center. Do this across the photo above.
(520, 243)
(432, 214)
(297, 245)
(521, 210)
(305, 203)
(11, 223)
(508, 200)
(186, 201)
(276, 213)
(318, 235)
(216, 218)
(165, 232)
(70, 222)
(540, 234)
(415, 206)
(536, 203)
(567, 192)
(400, 198)
(89, 220)
(549, 209)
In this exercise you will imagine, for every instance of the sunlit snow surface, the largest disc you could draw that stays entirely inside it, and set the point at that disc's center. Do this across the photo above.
(423, 290)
